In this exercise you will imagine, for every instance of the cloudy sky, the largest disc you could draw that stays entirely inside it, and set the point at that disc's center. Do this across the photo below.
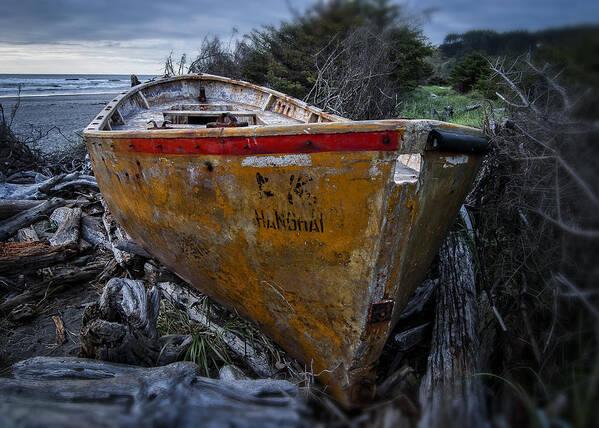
(135, 36)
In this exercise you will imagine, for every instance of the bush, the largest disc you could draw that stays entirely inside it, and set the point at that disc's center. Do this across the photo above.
(471, 72)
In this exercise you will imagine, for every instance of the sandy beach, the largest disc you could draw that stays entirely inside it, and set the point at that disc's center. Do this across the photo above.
(67, 113)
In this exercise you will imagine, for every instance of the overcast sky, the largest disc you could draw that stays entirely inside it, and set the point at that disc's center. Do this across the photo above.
(135, 36)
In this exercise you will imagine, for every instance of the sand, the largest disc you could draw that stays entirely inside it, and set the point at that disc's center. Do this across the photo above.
(49, 114)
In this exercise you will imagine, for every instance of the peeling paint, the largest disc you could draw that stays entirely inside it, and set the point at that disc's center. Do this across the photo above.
(451, 161)
(277, 161)
(407, 168)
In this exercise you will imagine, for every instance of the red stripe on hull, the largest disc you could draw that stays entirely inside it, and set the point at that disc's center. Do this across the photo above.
(348, 142)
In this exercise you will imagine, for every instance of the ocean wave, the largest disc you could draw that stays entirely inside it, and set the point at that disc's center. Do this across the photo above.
(57, 84)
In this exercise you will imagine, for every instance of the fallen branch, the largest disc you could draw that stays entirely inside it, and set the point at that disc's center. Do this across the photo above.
(255, 358)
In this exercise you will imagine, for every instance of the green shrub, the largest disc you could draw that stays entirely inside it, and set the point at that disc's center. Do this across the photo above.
(471, 72)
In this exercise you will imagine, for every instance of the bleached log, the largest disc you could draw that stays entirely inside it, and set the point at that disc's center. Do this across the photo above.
(68, 229)
(43, 189)
(257, 359)
(11, 225)
(450, 393)
(121, 326)
(78, 392)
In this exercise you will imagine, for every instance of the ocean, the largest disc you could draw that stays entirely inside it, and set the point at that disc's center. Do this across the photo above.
(53, 109)
(63, 84)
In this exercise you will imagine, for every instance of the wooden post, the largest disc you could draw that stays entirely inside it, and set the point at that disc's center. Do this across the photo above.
(450, 392)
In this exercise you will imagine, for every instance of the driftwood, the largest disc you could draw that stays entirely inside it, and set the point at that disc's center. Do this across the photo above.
(420, 298)
(68, 229)
(27, 234)
(79, 392)
(60, 279)
(115, 233)
(43, 189)
(11, 207)
(121, 326)
(92, 232)
(12, 225)
(256, 358)
(450, 393)
(23, 256)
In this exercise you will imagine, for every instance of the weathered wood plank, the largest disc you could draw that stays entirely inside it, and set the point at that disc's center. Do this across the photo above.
(23, 256)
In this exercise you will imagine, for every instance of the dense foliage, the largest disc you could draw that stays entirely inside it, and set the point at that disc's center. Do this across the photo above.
(575, 49)
(339, 33)
(471, 72)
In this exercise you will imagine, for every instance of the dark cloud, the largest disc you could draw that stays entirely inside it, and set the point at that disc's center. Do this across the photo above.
(505, 15)
(110, 36)
(65, 20)
(49, 21)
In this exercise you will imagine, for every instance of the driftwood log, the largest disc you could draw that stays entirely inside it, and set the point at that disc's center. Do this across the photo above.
(450, 393)
(68, 226)
(76, 392)
(12, 225)
(23, 256)
(10, 207)
(121, 326)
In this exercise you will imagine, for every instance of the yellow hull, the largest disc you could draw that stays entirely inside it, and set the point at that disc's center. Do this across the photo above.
(321, 249)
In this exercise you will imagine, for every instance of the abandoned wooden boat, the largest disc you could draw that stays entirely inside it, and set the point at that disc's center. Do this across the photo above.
(315, 227)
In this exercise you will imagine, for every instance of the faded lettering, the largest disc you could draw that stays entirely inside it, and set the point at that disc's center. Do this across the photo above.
(288, 222)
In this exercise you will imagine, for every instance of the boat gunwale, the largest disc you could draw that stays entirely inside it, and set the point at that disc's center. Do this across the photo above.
(338, 124)
(292, 129)
(99, 122)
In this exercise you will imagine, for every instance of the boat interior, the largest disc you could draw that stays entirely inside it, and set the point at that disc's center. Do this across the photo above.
(203, 101)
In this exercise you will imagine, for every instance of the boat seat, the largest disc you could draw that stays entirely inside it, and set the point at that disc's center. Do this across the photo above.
(203, 117)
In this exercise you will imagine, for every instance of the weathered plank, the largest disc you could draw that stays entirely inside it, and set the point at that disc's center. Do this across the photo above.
(23, 256)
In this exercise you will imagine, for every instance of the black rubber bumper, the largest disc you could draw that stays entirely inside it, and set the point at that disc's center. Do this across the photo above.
(444, 141)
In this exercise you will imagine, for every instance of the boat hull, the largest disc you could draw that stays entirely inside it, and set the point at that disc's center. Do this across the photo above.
(320, 238)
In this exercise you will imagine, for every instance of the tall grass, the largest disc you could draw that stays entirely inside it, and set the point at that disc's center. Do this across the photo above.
(425, 100)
